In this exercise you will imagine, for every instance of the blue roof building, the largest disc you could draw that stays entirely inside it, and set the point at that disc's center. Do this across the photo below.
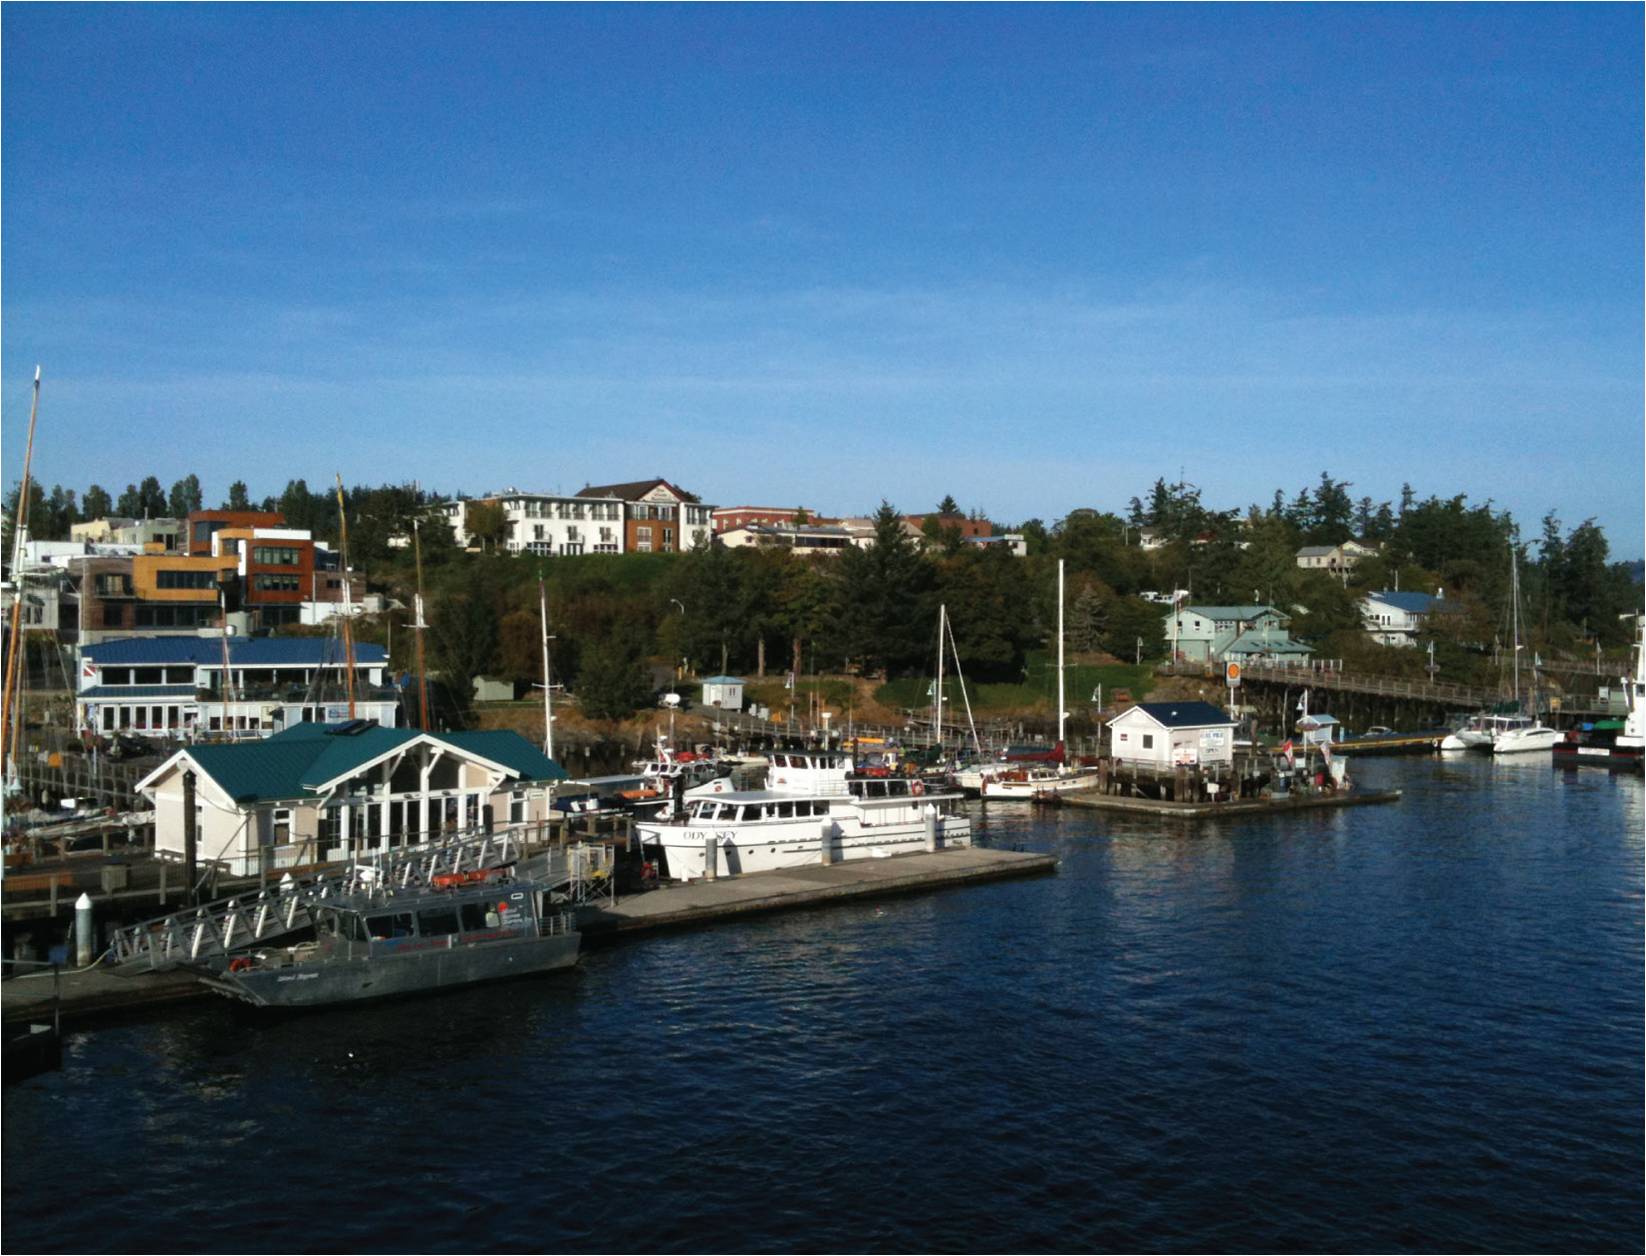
(323, 792)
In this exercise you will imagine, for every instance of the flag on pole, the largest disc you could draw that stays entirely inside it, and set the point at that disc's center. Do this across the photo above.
(1287, 751)
(1326, 752)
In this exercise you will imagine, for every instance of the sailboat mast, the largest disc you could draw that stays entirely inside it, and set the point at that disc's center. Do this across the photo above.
(937, 721)
(1060, 701)
(422, 673)
(348, 594)
(9, 714)
(548, 689)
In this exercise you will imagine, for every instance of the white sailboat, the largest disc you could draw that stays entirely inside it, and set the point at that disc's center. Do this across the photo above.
(1519, 734)
(1024, 783)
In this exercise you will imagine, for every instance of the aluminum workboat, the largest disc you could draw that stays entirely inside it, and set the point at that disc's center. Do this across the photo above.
(376, 942)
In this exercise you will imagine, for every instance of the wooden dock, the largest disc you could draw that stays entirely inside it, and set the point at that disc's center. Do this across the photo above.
(99, 991)
(703, 902)
(1220, 810)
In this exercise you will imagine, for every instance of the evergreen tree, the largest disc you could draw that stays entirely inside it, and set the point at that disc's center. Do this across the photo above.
(151, 498)
(885, 598)
(948, 506)
(185, 497)
(96, 504)
(130, 505)
(1088, 618)
(239, 499)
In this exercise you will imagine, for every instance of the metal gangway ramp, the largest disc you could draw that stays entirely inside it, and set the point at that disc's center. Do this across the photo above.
(571, 875)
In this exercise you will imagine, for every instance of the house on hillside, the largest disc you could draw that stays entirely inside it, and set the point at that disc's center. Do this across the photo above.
(1205, 634)
(1334, 559)
(1165, 735)
(328, 792)
(1395, 618)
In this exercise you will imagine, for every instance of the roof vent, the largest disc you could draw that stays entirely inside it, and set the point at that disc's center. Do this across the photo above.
(351, 728)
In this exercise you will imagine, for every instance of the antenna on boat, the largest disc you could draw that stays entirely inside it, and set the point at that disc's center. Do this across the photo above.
(11, 723)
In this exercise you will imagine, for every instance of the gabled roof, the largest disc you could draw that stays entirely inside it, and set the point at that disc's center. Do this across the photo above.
(1411, 603)
(634, 490)
(1194, 714)
(1316, 551)
(243, 651)
(305, 758)
(722, 680)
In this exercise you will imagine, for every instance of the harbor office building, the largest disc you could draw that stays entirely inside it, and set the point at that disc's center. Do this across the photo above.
(1166, 735)
(179, 687)
(330, 792)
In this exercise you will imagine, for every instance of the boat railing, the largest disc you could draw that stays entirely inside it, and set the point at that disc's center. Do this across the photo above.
(557, 924)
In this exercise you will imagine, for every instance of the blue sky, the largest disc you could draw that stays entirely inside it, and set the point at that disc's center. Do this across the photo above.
(1034, 257)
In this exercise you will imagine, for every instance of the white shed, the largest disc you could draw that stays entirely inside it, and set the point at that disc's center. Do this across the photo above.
(725, 692)
(1170, 734)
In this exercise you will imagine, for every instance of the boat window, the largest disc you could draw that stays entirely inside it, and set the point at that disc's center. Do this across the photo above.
(354, 928)
(394, 925)
(437, 921)
(476, 917)
(725, 811)
(785, 811)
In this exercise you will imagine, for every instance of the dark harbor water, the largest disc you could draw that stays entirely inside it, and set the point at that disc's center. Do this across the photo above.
(1406, 1027)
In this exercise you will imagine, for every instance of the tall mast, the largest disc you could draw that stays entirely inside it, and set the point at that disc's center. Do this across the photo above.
(937, 722)
(422, 674)
(1060, 702)
(9, 714)
(348, 594)
(548, 683)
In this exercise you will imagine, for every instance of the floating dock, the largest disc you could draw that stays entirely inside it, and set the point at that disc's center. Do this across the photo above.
(702, 902)
(99, 991)
(1216, 810)
(1425, 742)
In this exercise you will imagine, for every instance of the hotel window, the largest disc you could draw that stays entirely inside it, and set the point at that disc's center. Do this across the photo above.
(274, 556)
(668, 537)
(643, 539)
(275, 584)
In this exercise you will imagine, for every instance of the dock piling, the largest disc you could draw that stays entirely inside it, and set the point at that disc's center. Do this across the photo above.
(711, 860)
(931, 827)
(84, 935)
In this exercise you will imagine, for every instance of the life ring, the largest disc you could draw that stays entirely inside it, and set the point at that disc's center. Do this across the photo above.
(918, 788)
(240, 963)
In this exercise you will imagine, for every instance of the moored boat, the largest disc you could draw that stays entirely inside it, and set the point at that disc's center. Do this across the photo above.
(1613, 743)
(377, 942)
(813, 810)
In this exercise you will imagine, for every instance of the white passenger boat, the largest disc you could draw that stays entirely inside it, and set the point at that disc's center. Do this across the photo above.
(811, 803)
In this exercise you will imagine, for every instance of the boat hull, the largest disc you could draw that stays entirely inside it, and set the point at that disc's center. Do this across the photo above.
(1526, 741)
(342, 981)
(685, 847)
